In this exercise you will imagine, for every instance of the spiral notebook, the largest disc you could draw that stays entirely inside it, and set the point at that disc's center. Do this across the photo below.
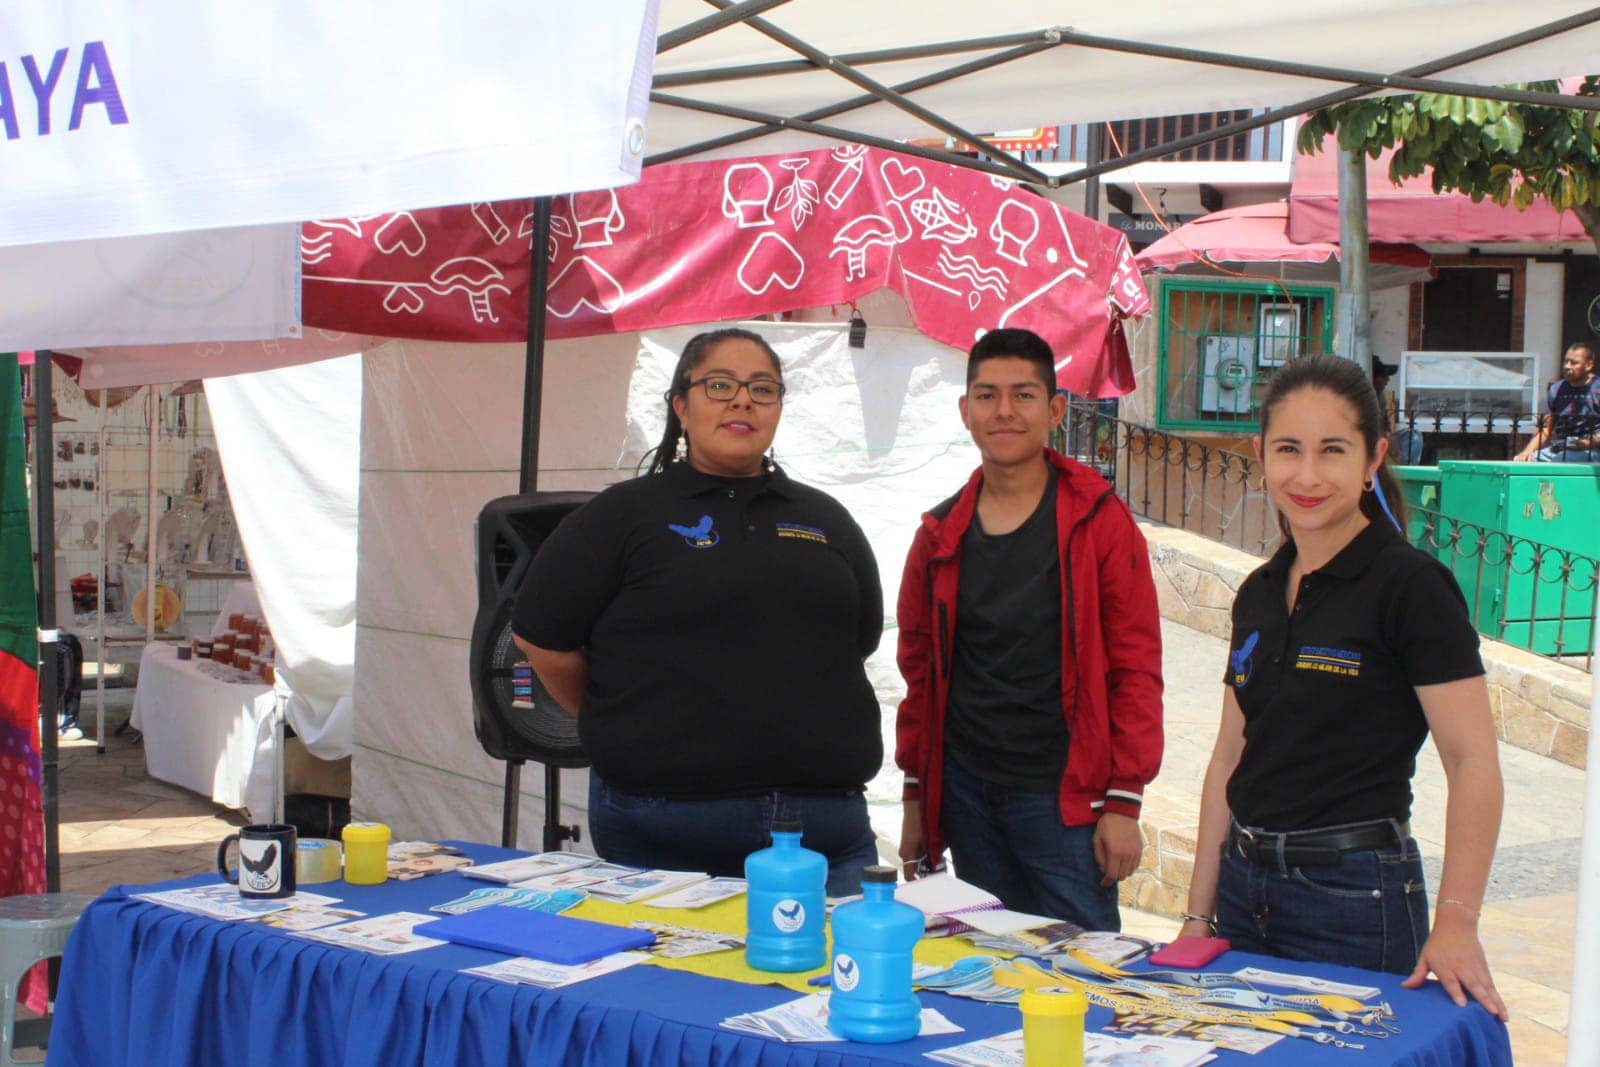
(536, 934)
(943, 899)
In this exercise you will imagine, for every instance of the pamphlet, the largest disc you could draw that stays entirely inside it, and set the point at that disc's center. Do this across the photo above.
(553, 975)
(526, 867)
(1234, 1038)
(385, 935)
(1099, 1050)
(679, 942)
(511, 897)
(311, 917)
(701, 894)
(222, 901)
(1039, 942)
(1110, 948)
(972, 977)
(409, 860)
(806, 1019)
(579, 877)
(636, 887)
(1306, 984)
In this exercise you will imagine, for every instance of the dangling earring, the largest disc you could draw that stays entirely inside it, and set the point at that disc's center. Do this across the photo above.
(1366, 486)
(682, 451)
(768, 464)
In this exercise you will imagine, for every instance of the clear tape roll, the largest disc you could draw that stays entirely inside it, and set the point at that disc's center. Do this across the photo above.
(317, 860)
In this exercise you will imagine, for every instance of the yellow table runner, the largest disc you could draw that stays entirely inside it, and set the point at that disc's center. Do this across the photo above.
(728, 917)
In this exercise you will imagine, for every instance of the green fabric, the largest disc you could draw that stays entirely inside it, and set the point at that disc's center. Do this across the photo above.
(19, 620)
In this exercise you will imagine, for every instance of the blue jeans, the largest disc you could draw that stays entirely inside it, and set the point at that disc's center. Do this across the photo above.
(1368, 910)
(1012, 843)
(716, 835)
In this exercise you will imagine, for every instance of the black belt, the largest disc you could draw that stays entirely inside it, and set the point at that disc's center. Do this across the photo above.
(1314, 848)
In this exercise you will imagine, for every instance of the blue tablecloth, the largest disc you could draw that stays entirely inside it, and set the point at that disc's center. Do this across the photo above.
(142, 984)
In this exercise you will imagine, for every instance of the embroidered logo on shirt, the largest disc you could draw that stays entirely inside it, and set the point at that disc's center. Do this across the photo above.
(1329, 660)
(700, 535)
(1240, 661)
(802, 533)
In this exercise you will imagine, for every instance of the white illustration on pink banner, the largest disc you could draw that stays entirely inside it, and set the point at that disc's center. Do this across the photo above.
(860, 234)
(746, 191)
(968, 269)
(943, 219)
(477, 278)
(844, 183)
(1075, 271)
(1013, 230)
(315, 245)
(772, 259)
(560, 227)
(901, 180)
(596, 216)
(401, 233)
(402, 300)
(799, 197)
(490, 222)
(583, 283)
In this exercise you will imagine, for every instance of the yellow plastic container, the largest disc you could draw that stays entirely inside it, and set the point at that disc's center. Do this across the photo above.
(366, 853)
(1052, 1027)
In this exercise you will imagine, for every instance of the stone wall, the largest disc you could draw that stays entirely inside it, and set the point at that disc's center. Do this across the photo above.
(1538, 704)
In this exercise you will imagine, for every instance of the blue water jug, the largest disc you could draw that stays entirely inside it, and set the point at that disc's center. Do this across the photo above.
(872, 942)
(785, 907)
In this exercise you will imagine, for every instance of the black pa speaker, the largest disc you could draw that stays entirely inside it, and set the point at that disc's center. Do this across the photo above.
(510, 726)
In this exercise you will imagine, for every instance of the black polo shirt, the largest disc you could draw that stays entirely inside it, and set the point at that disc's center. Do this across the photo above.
(1332, 722)
(725, 621)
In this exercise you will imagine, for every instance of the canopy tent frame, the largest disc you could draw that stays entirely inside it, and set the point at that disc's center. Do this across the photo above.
(1360, 83)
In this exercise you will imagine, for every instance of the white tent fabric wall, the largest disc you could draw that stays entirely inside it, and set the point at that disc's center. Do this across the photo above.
(289, 441)
(876, 427)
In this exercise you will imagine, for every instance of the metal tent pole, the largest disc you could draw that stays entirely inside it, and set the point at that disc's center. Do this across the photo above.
(49, 649)
(101, 577)
(528, 480)
(153, 424)
(1583, 1024)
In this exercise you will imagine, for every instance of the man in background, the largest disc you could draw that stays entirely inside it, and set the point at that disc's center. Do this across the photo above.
(1568, 431)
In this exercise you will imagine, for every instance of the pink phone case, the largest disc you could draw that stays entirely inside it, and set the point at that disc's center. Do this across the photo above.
(1190, 952)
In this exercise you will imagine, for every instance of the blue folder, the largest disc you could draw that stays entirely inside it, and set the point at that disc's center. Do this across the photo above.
(536, 934)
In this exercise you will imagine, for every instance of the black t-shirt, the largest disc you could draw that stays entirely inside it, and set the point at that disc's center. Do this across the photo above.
(1332, 722)
(1004, 721)
(725, 621)
(1575, 409)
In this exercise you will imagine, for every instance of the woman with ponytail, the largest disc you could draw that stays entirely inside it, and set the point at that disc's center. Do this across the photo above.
(1349, 646)
(707, 624)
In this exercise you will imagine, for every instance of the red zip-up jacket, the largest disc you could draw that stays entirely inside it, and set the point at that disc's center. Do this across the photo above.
(1110, 650)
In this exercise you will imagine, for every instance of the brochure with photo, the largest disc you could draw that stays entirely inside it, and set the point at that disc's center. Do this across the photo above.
(680, 942)
(554, 975)
(222, 901)
(308, 918)
(636, 887)
(523, 868)
(701, 894)
(383, 935)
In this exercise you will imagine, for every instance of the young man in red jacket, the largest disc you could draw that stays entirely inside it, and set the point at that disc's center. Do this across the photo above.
(1031, 649)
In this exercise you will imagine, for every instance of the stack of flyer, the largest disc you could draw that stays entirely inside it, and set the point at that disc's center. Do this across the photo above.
(1099, 1050)
(523, 971)
(222, 901)
(554, 872)
(806, 1019)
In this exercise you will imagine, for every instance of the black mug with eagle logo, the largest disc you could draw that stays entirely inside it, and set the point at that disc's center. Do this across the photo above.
(266, 861)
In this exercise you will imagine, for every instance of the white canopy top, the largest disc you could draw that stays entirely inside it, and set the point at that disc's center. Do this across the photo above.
(1069, 83)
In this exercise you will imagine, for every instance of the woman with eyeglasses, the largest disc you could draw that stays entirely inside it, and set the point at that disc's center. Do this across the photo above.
(707, 624)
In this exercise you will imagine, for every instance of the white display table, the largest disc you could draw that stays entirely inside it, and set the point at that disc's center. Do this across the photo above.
(212, 736)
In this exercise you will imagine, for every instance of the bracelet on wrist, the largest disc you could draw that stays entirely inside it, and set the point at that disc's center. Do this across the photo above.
(1470, 909)
(1211, 924)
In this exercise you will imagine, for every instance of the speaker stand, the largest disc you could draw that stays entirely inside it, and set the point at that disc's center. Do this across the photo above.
(554, 831)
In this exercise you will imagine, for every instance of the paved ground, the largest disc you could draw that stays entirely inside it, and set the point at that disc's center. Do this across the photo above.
(119, 825)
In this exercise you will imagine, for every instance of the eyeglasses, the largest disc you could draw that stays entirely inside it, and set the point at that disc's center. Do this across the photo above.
(722, 388)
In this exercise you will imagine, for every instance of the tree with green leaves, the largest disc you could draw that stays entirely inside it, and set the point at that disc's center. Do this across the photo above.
(1487, 149)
